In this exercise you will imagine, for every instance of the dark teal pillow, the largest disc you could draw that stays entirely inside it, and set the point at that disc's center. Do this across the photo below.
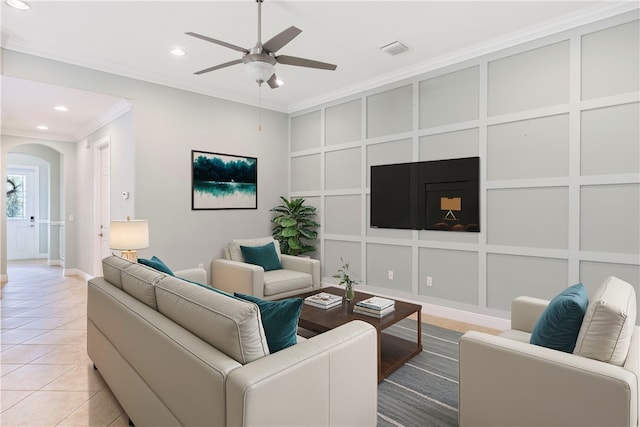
(157, 264)
(264, 256)
(560, 322)
(279, 320)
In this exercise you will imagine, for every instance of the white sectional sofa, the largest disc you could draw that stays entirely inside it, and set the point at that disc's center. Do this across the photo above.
(176, 353)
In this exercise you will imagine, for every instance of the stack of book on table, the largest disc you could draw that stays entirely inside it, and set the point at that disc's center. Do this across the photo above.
(323, 300)
(375, 307)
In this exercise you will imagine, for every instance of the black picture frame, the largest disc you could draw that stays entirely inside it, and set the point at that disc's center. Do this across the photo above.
(223, 181)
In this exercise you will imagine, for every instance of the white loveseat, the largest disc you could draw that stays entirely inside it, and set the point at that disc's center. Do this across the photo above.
(506, 381)
(176, 353)
(232, 274)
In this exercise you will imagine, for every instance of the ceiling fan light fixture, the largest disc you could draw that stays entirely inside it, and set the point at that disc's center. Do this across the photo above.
(259, 71)
(18, 4)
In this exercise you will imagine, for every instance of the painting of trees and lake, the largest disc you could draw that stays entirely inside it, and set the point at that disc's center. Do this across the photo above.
(223, 181)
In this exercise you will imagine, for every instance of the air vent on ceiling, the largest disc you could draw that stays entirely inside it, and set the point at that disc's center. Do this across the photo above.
(395, 48)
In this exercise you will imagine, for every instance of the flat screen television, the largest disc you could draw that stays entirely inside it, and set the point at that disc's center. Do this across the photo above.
(430, 195)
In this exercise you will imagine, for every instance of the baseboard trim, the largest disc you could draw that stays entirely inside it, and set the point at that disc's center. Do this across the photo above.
(55, 263)
(466, 316)
(4, 278)
(75, 272)
(448, 312)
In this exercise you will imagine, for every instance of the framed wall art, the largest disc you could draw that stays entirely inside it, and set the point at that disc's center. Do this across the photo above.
(223, 181)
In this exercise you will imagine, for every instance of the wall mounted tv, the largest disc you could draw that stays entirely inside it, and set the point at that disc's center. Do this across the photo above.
(433, 195)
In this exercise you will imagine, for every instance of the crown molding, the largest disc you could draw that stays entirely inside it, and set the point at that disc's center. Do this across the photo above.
(599, 12)
(36, 135)
(121, 107)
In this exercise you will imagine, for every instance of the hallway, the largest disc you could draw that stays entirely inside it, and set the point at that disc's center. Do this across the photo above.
(47, 378)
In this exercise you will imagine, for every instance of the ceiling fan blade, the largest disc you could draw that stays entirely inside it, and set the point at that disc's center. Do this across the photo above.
(220, 42)
(217, 67)
(273, 82)
(279, 40)
(302, 62)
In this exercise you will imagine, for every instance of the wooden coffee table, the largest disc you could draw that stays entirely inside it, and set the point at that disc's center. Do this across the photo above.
(393, 351)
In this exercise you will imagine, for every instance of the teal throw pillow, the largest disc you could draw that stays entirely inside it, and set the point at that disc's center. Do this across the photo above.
(560, 322)
(264, 256)
(279, 320)
(157, 264)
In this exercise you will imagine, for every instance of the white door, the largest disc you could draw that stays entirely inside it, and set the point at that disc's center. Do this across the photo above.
(103, 216)
(22, 200)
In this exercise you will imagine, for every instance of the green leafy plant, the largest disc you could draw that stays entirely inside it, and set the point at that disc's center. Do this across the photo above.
(295, 227)
(344, 275)
(346, 279)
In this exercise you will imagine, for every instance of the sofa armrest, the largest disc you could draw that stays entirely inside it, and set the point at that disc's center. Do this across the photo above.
(233, 276)
(525, 311)
(303, 265)
(330, 379)
(194, 274)
(507, 382)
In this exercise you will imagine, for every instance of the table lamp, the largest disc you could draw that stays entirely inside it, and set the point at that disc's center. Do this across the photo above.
(129, 235)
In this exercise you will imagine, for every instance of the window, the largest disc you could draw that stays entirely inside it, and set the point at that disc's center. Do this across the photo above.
(16, 200)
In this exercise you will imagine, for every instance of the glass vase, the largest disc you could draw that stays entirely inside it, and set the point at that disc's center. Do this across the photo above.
(349, 292)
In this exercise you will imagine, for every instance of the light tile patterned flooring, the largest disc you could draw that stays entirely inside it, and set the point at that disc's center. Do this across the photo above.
(46, 377)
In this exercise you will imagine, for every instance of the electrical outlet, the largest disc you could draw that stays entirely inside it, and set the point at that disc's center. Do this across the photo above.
(200, 265)
(390, 274)
(429, 281)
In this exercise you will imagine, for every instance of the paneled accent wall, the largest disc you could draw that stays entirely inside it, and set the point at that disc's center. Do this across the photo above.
(555, 123)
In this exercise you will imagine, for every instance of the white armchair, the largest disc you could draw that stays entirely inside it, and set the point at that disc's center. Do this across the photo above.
(232, 274)
(505, 381)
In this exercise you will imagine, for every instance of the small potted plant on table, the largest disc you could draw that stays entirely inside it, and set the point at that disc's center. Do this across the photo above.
(346, 280)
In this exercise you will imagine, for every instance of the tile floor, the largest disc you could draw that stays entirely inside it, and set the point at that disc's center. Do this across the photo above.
(46, 377)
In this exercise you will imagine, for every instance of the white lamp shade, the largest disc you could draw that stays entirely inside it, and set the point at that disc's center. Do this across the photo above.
(259, 71)
(128, 235)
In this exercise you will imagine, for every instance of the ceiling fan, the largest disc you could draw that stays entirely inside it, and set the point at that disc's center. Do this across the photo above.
(260, 60)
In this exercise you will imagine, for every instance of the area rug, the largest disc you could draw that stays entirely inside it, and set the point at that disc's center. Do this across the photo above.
(424, 391)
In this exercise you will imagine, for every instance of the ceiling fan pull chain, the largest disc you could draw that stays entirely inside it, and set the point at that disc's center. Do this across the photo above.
(259, 107)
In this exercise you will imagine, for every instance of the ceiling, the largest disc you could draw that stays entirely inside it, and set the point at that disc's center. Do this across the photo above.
(133, 39)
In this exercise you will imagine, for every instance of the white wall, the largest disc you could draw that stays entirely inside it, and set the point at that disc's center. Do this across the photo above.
(555, 123)
(163, 127)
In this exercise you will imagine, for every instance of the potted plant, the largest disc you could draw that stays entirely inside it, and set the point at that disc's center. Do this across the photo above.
(346, 280)
(295, 227)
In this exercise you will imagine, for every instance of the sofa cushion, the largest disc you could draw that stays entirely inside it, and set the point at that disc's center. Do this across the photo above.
(606, 331)
(112, 267)
(236, 253)
(279, 320)
(139, 281)
(279, 281)
(231, 325)
(265, 256)
(559, 324)
(157, 264)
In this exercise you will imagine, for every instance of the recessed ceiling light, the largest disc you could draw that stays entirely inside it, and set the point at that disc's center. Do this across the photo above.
(60, 108)
(42, 127)
(18, 4)
(178, 52)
